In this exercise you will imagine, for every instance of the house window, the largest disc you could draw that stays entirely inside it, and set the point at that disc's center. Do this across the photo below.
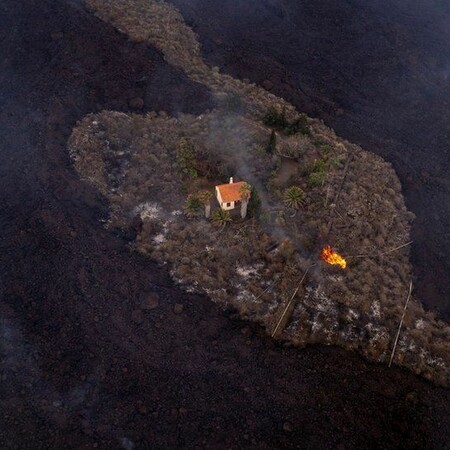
(228, 205)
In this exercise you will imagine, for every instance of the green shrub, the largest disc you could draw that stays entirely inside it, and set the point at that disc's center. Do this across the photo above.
(221, 217)
(320, 165)
(288, 150)
(334, 161)
(300, 125)
(273, 118)
(293, 197)
(276, 119)
(185, 158)
(254, 204)
(316, 178)
(194, 206)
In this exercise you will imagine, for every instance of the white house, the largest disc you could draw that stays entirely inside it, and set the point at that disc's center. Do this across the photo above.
(229, 195)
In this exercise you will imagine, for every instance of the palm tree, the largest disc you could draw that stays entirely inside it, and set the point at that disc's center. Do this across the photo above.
(245, 191)
(193, 207)
(205, 197)
(221, 217)
(293, 197)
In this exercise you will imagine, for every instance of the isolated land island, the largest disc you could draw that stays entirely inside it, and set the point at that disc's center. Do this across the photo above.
(262, 208)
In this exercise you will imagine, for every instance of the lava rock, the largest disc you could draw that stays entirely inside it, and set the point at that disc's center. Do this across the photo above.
(267, 84)
(151, 301)
(178, 308)
(136, 103)
(137, 316)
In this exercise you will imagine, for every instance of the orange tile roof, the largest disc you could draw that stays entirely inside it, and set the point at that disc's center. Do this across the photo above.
(230, 192)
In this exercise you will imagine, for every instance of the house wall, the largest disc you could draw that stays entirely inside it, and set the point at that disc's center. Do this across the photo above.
(218, 196)
(225, 207)
(222, 204)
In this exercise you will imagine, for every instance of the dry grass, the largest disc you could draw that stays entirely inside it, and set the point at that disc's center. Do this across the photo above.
(358, 308)
(353, 202)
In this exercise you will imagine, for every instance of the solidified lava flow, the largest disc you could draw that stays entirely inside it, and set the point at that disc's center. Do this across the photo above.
(98, 348)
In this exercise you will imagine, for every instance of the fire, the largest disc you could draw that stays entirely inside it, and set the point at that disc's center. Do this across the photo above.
(333, 258)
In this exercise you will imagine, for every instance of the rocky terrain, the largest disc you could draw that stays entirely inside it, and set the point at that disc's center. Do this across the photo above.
(99, 349)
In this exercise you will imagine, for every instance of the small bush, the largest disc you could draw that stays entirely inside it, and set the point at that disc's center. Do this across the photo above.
(273, 118)
(221, 217)
(193, 207)
(316, 178)
(299, 125)
(293, 197)
(185, 158)
(276, 119)
(320, 165)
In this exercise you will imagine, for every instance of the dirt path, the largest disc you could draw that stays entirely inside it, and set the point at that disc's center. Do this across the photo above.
(89, 357)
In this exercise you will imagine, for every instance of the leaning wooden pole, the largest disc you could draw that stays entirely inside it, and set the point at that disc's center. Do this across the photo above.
(290, 301)
(372, 255)
(401, 323)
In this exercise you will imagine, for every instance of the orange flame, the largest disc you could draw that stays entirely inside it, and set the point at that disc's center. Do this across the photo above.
(333, 258)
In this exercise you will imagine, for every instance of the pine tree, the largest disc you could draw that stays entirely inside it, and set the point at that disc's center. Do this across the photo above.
(272, 146)
(186, 158)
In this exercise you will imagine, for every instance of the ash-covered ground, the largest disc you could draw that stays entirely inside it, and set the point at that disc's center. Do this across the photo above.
(80, 368)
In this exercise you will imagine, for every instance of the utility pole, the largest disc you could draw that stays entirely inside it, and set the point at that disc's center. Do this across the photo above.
(401, 323)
